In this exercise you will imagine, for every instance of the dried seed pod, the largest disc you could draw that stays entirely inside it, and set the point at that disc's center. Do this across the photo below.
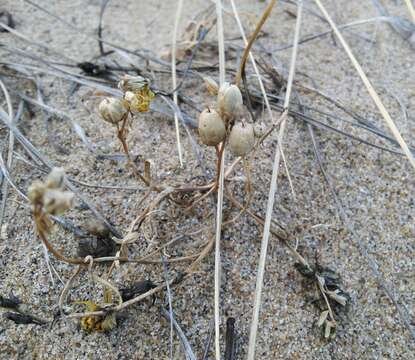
(56, 201)
(55, 178)
(112, 110)
(211, 127)
(242, 139)
(229, 100)
(221, 93)
(131, 101)
(211, 85)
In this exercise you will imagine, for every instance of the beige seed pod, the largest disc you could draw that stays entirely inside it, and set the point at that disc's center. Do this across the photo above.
(56, 201)
(130, 100)
(112, 110)
(55, 178)
(211, 127)
(241, 139)
(229, 100)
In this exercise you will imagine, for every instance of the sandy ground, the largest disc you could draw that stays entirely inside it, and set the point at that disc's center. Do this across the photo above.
(377, 189)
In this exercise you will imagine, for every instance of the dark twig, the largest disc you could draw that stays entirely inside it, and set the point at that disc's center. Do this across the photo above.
(101, 15)
(230, 343)
(9, 20)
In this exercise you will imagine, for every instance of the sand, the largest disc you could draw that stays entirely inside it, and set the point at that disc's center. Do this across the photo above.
(376, 187)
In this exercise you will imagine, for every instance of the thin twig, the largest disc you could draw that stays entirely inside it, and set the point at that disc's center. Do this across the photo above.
(5, 186)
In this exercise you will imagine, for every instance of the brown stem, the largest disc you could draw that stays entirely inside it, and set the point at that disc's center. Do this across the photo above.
(40, 221)
(121, 134)
(252, 39)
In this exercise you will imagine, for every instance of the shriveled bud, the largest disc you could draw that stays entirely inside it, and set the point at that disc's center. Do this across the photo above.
(229, 99)
(211, 127)
(132, 83)
(56, 201)
(211, 85)
(241, 139)
(55, 178)
(112, 110)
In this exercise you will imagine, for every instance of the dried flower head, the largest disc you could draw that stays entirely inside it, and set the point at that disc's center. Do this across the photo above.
(112, 110)
(133, 83)
(36, 191)
(241, 139)
(50, 195)
(139, 101)
(97, 323)
(212, 129)
(137, 93)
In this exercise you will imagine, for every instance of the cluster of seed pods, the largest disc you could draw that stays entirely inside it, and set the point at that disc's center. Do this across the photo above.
(215, 125)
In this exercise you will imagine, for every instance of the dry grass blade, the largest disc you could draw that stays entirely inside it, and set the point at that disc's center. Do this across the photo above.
(169, 297)
(411, 9)
(369, 87)
(271, 197)
(174, 76)
(222, 72)
(5, 188)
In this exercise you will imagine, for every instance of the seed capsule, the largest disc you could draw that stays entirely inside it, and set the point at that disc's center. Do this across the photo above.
(229, 100)
(112, 110)
(242, 139)
(211, 127)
